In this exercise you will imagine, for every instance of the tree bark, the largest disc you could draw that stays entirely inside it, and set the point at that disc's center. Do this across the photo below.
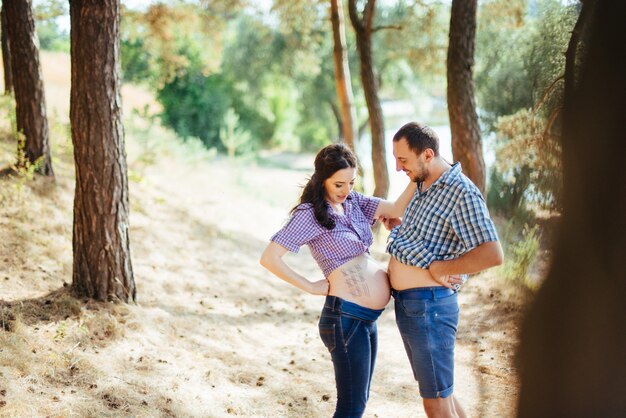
(30, 103)
(102, 265)
(363, 29)
(574, 336)
(6, 54)
(342, 74)
(466, 142)
(337, 115)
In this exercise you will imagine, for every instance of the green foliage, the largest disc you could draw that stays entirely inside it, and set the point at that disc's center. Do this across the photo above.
(414, 34)
(282, 81)
(519, 67)
(531, 156)
(24, 168)
(521, 255)
(234, 139)
(506, 195)
(518, 60)
(155, 43)
(136, 61)
(51, 36)
(194, 105)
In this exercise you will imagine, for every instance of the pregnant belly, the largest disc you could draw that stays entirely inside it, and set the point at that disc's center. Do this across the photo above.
(362, 281)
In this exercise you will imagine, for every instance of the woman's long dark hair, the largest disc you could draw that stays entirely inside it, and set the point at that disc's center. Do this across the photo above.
(328, 161)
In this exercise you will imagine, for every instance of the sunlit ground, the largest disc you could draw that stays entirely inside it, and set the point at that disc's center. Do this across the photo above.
(212, 334)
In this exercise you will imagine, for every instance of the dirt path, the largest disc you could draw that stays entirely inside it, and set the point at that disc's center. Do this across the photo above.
(275, 363)
(213, 334)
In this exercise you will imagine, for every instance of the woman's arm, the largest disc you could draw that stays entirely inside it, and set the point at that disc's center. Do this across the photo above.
(395, 209)
(272, 259)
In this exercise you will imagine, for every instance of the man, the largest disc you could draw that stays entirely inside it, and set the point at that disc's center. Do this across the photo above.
(446, 231)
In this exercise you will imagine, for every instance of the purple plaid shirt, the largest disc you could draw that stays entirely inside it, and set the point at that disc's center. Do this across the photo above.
(331, 248)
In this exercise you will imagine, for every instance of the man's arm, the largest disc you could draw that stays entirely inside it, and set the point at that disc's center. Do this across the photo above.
(480, 258)
(394, 209)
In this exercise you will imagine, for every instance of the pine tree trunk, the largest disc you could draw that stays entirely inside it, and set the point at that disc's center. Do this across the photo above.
(6, 54)
(30, 103)
(342, 74)
(466, 142)
(574, 336)
(363, 29)
(102, 264)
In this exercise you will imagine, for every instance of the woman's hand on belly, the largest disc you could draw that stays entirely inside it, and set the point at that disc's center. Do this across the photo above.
(320, 287)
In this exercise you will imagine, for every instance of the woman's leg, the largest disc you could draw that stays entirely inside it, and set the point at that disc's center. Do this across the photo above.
(373, 338)
(352, 345)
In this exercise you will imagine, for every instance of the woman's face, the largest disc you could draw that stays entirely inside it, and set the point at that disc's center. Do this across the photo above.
(339, 185)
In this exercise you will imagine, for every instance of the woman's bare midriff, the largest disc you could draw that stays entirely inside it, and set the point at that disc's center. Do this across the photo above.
(362, 281)
(403, 276)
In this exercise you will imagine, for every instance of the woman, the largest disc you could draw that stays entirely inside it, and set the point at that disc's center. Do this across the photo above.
(335, 222)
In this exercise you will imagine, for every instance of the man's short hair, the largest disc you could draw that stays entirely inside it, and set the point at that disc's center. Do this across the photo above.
(418, 137)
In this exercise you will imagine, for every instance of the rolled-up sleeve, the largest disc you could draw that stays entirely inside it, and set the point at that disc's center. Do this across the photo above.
(368, 205)
(301, 228)
(471, 222)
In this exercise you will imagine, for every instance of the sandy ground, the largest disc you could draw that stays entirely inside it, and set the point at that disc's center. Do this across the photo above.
(213, 334)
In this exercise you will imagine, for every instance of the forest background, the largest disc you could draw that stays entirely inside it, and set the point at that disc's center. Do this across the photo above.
(222, 99)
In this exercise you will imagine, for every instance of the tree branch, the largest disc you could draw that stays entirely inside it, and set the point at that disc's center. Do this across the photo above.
(396, 27)
(546, 92)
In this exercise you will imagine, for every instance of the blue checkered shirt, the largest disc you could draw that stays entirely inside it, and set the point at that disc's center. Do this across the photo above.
(443, 222)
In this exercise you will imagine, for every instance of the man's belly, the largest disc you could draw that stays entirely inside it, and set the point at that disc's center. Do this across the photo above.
(362, 281)
(403, 276)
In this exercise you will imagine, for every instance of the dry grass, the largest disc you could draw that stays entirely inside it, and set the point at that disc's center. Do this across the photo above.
(213, 334)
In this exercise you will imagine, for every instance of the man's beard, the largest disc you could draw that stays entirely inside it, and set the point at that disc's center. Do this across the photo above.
(424, 175)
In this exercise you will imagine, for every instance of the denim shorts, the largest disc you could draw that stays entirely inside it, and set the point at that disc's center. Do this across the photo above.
(427, 318)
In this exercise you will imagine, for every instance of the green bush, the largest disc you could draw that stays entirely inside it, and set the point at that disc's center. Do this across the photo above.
(519, 91)
(194, 105)
(521, 255)
(135, 61)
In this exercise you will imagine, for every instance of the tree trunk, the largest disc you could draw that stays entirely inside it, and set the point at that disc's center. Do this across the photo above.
(6, 54)
(102, 264)
(466, 143)
(337, 115)
(30, 103)
(342, 74)
(363, 29)
(574, 336)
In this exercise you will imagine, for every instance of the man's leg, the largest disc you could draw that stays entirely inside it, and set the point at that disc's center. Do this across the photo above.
(427, 324)
(457, 407)
(440, 407)
(443, 408)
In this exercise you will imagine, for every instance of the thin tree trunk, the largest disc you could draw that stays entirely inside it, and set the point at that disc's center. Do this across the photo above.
(102, 264)
(574, 336)
(466, 142)
(337, 115)
(342, 74)
(6, 55)
(363, 29)
(30, 103)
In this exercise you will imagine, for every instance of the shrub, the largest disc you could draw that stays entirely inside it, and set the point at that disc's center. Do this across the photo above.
(521, 255)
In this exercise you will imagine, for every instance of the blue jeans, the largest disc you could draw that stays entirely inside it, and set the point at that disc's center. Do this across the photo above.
(349, 333)
(427, 318)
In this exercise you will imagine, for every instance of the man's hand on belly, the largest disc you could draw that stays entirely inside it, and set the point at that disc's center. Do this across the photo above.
(436, 271)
